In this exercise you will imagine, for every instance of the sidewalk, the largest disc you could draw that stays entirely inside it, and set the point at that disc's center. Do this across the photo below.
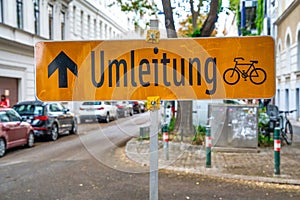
(252, 165)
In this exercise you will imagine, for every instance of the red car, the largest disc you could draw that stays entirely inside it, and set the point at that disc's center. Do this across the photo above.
(13, 131)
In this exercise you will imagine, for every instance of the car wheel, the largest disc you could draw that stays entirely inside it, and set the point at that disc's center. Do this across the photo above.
(54, 132)
(2, 147)
(107, 119)
(74, 128)
(30, 140)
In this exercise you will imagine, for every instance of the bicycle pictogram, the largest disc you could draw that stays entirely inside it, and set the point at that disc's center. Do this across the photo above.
(256, 75)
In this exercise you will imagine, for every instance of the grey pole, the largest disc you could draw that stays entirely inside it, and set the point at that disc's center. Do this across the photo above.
(154, 155)
(153, 140)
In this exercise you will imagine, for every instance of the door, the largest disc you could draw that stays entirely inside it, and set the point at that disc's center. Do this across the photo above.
(9, 87)
(58, 111)
(18, 130)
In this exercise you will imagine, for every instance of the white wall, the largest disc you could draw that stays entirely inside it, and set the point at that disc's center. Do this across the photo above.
(17, 46)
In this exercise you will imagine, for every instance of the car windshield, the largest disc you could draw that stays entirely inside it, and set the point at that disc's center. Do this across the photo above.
(29, 109)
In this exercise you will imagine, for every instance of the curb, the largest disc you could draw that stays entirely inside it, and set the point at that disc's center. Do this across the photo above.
(134, 152)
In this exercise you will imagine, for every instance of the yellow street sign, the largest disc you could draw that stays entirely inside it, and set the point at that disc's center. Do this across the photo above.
(189, 68)
(153, 103)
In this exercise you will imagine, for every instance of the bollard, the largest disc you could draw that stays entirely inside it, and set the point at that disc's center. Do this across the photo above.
(166, 141)
(208, 145)
(277, 146)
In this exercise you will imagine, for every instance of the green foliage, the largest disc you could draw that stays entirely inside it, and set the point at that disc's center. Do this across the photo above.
(172, 124)
(199, 136)
(260, 16)
(263, 124)
(220, 6)
(187, 29)
(264, 141)
(139, 7)
(196, 33)
(263, 118)
(234, 4)
(238, 14)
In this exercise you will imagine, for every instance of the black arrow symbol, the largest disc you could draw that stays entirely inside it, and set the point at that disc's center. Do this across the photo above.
(62, 62)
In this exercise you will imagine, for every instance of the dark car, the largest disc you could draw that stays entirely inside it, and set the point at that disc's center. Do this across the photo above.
(49, 119)
(14, 131)
(136, 106)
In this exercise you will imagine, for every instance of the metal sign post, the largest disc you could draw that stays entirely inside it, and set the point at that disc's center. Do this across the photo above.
(153, 105)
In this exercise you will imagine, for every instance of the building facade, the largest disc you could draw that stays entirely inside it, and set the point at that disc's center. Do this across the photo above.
(287, 40)
(282, 22)
(23, 23)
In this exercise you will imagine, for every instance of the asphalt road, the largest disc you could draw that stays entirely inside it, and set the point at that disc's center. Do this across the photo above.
(92, 165)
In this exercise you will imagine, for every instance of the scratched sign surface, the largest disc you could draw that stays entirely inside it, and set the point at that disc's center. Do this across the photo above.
(194, 68)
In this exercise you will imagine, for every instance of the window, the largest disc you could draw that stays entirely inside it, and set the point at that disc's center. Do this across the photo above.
(13, 116)
(1, 11)
(50, 18)
(20, 14)
(109, 33)
(89, 26)
(36, 10)
(288, 54)
(287, 99)
(81, 23)
(29, 109)
(101, 29)
(298, 51)
(3, 117)
(74, 20)
(62, 24)
(298, 102)
(95, 28)
(278, 97)
(56, 107)
(278, 66)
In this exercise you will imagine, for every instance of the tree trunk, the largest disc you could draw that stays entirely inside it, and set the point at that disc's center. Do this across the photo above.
(209, 23)
(195, 14)
(169, 21)
(184, 120)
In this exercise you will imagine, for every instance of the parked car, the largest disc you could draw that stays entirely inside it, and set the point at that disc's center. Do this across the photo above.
(97, 110)
(124, 108)
(49, 119)
(142, 106)
(138, 106)
(135, 106)
(14, 131)
(234, 101)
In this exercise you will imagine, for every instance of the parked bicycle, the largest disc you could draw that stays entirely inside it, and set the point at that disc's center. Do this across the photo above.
(287, 129)
(279, 119)
(256, 75)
